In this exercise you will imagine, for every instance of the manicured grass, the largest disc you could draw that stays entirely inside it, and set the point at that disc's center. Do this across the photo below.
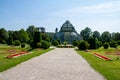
(110, 50)
(109, 69)
(6, 63)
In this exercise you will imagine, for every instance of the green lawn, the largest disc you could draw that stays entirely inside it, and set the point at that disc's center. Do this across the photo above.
(6, 63)
(109, 69)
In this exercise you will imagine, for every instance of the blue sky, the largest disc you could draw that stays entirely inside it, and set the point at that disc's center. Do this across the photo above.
(100, 15)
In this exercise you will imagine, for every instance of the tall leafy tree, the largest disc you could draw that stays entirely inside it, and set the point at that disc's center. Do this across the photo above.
(106, 36)
(93, 43)
(31, 31)
(3, 35)
(10, 40)
(96, 34)
(15, 35)
(116, 36)
(10, 32)
(85, 33)
(23, 36)
(36, 39)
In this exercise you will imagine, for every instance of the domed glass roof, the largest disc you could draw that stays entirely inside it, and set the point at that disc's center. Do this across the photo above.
(67, 33)
(67, 27)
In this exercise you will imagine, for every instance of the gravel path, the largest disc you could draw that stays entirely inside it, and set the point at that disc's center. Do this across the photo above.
(58, 64)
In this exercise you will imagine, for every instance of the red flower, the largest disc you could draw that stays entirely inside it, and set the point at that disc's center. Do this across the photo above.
(101, 56)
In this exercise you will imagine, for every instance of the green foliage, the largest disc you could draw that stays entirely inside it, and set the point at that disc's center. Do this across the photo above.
(106, 45)
(38, 45)
(96, 35)
(113, 44)
(23, 45)
(9, 63)
(10, 40)
(16, 42)
(37, 39)
(44, 37)
(55, 43)
(31, 31)
(106, 36)
(15, 35)
(47, 39)
(3, 35)
(65, 43)
(85, 33)
(83, 45)
(93, 43)
(75, 43)
(45, 44)
(13, 43)
(118, 42)
(99, 44)
(109, 69)
(23, 36)
(116, 36)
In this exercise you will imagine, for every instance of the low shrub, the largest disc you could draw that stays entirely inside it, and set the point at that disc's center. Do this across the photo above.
(38, 45)
(83, 45)
(23, 45)
(16, 42)
(75, 43)
(45, 44)
(93, 43)
(105, 45)
(113, 44)
(99, 44)
(55, 43)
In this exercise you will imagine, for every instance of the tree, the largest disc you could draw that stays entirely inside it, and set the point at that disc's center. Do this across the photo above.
(10, 32)
(96, 34)
(10, 40)
(42, 29)
(23, 36)
(15, 35)
(36, 39)
(93, 43)
(116, 36)
(106, 36)
(3, 35)
(56, 30)
(113, 44)
(31, 31)
(85, 33)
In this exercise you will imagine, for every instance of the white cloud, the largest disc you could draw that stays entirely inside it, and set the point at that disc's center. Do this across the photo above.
(103, 8)
(101, 17)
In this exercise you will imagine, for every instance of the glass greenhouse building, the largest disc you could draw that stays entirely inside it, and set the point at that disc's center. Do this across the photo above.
(67, 33)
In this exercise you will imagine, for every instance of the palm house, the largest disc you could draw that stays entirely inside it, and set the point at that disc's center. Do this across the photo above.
(67, 33)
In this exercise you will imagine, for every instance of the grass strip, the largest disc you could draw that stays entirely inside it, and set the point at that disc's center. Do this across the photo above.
(109, 69)
(8, 63)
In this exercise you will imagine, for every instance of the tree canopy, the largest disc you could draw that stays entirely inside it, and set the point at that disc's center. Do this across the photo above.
(85, 33)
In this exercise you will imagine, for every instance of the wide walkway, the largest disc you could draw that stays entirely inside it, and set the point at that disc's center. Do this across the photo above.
(58, 64)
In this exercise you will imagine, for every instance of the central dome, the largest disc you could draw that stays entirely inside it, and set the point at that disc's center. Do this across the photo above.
(67, 27)
(67, 33)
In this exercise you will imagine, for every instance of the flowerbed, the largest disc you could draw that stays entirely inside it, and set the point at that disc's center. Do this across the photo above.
(16, 55)
(112, 53)
(101, 56)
